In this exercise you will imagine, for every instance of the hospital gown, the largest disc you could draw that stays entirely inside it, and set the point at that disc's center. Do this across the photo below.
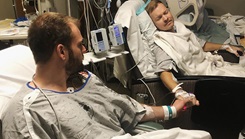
(93, 111)
(164, 62)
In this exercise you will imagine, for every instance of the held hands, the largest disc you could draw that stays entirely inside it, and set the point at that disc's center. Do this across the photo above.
(184, 100)
(188, 97)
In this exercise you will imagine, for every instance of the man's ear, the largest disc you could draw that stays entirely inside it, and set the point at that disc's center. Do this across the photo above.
(61, 51)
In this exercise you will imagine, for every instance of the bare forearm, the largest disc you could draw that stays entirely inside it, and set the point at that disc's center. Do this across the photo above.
(168, 80)
(211, 46)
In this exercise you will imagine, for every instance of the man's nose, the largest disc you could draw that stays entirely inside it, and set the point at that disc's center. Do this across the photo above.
(84, 50)
(164, 18)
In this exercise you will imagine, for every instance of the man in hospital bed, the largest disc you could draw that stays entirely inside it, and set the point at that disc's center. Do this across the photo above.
(63, 100)
(177, 47)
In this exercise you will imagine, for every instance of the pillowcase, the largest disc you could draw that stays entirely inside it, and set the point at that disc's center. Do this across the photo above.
(127, 11)
(147, 27)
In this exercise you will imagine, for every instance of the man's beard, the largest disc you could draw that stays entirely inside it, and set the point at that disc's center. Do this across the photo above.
(74, 64)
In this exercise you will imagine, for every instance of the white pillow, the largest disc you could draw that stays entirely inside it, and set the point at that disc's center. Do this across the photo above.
(147, 27)
(126, 13)
(17, 68)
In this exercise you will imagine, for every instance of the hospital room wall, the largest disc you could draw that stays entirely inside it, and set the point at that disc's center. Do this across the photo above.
(221, 7)
(6, 9)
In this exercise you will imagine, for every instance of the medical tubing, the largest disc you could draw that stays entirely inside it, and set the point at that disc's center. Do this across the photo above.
(93, 15)
(35, 7)
(154, 101)
(135, 64)
(131, 69)
(24, 9)
(86, 17)
(51, 105)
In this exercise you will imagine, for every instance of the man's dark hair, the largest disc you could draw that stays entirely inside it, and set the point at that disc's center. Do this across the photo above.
(152, 6)
(47, 31)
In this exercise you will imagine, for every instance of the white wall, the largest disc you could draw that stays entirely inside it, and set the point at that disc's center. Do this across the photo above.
(220, 7)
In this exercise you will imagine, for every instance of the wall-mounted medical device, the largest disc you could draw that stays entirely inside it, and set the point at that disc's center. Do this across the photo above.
(99, 40)
(116, 34)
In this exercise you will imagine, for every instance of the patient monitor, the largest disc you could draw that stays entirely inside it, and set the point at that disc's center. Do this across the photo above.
(99, 40)
(116, 34)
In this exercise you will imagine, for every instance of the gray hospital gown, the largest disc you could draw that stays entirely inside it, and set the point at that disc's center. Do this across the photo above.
(93, 111)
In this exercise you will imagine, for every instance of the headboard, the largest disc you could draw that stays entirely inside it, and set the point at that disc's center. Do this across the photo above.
(189, 12)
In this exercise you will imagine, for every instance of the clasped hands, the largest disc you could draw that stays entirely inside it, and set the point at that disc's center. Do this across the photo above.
(184, 100)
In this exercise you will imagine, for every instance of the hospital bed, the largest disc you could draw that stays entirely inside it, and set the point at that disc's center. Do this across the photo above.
(140, 77)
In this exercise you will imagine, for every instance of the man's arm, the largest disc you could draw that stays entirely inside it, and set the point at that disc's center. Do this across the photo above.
(167, 112)
(168, 80)
(230, 48)
(208, 46)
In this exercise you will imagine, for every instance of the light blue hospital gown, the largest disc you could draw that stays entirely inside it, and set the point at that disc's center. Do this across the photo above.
(93, 111)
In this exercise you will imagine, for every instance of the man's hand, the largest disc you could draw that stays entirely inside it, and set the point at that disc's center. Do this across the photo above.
(237, 50)
(184, 100)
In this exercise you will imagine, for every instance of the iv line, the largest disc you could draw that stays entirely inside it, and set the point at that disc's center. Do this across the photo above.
(56, 116)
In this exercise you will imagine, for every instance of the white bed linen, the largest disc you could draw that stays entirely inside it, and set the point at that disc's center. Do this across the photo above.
(174, 133)
(17, 67)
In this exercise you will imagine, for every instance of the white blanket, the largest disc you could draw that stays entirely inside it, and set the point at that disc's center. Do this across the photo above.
(189, 56)
(174, 133)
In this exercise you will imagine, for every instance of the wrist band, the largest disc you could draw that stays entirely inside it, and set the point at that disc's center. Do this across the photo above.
(169, 112)
(166, 113)
(174, 111)
(177, 87)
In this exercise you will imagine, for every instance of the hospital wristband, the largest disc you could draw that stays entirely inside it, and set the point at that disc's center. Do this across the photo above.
(169, 112)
